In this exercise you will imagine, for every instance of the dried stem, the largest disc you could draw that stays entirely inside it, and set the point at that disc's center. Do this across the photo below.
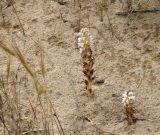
(8, 68)
(17, 53)
(14, 9)
(129, 111)
(2, 120)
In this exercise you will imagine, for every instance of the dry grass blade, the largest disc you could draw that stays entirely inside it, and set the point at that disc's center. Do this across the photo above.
(16, 53)
(6, 49)
(42, 65)
(56, 119)
(14, 9)
(8, 68)
(39, 87)
(33, 109)
(1, 102)
(19, 55)
(2, 120)
(21, 58)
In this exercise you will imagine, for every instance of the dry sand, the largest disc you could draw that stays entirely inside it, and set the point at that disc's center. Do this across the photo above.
(127, 57)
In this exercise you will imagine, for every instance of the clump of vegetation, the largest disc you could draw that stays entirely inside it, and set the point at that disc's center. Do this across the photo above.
(17, 53)
(129, 108)
(84, 42)
(10, 100)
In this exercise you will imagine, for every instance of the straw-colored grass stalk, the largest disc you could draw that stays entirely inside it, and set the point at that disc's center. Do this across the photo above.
(17, 53)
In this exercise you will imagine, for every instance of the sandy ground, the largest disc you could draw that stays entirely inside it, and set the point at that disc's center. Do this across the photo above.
(127, 57)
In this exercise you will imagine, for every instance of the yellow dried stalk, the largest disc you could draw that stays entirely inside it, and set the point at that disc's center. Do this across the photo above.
(19, 55)
(16, 53)
(42, 64)
(8, 68)
(84, 42)
(6, 49)
(22, 60)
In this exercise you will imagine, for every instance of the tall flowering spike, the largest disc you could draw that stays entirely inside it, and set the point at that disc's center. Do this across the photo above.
(128, 100)
(84, 42)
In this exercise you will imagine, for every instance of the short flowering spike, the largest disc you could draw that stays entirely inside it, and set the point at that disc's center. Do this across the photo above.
(128, 100)
(84, 42)
(84, 37)
(128, 97)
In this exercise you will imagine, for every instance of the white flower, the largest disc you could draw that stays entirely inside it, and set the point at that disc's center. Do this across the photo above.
(124, 95)
(128, 97)
(131, 98)
(80, 50)
(90, 38)
(84, 36)
(80, 45)
(79, 39)
(130, 93)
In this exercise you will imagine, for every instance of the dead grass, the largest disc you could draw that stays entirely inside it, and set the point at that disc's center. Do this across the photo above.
(25, 111)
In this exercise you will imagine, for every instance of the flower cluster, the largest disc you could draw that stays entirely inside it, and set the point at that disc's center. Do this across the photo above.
(82, 37)
(84, 42)
(128, 97)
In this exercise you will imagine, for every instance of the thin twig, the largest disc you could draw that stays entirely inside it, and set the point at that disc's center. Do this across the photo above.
(139, 11)
(14, 9)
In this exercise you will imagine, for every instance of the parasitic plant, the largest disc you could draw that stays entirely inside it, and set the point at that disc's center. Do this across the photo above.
(84, 42)
(128, 100)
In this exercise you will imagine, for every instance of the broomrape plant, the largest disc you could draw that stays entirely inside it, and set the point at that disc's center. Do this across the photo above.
(84, 42)
(128, 100)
